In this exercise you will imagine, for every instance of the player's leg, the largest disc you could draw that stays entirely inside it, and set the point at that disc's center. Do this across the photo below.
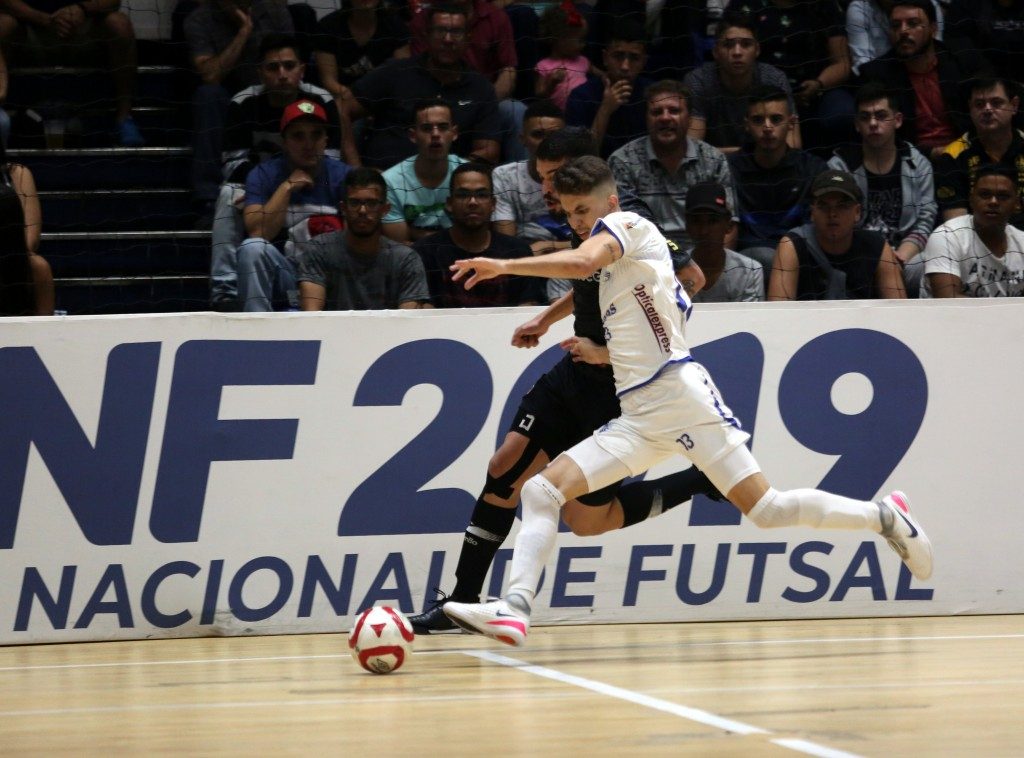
(622, 505)
(512, 464)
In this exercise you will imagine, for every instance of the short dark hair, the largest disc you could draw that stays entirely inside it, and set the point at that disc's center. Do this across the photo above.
(627, 30)
(429, 102)
(568, 142)
(473, 167)
(279, 41)
(995, 169)
(668, 87)
(581, 176)
(988, 82)
(925, 6)
(766, 93)
(365, 177)
(735, 19)
(543, 109)
(873, 91)
(449, 8)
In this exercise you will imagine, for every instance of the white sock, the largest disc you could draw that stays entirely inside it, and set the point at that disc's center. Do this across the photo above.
(542, 503)
(814, 508)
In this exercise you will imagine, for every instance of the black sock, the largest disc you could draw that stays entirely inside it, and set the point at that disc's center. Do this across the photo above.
(643, 500)
(487, 529)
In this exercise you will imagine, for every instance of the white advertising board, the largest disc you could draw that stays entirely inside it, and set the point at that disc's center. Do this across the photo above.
(194, 474)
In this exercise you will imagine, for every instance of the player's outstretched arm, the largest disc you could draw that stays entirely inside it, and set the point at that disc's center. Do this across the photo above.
(596, 252)
(529, 334)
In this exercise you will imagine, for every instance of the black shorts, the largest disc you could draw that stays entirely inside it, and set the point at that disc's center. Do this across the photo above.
(564, 407)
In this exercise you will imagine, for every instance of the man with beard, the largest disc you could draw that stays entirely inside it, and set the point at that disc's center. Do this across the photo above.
(661, 167)
(925, 75)
(469, 205)
(360, 269)
(993, 140)
(771, 177)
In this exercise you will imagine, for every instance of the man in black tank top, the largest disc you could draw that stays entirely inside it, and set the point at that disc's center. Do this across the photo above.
(565, 406)
(829, 258)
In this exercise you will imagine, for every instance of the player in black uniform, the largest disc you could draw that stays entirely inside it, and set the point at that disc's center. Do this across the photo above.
(565, 406)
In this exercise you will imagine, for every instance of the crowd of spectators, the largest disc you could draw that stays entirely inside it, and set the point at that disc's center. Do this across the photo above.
(799, 149)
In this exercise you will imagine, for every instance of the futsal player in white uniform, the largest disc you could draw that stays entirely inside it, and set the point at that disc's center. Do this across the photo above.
(669, 405)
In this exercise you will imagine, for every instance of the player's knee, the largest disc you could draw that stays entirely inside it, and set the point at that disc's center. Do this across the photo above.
(542, 497)
(512, 462)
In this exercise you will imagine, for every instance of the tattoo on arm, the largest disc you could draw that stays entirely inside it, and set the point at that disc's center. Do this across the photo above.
(690, 286)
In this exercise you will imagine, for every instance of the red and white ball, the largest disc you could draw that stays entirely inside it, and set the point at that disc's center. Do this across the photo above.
(381, 639)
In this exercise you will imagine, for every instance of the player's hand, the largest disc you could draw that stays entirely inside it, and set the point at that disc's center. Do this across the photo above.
(67, 20)
(583, 350)
(529, 334)
(299, 180)
(481, 268)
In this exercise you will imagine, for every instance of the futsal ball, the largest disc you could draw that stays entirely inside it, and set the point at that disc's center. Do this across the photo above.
(381, 639)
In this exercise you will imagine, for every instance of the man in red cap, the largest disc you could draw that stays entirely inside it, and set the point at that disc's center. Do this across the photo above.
(289, 200)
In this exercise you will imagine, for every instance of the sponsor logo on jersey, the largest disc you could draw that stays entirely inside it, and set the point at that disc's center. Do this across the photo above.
(646, 302)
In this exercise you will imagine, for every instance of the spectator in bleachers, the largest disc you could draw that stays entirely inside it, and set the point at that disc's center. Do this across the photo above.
(925, 75)
(26, 281)
(830, 258)
(992, 139)
(614, 108)
(53, 32)
(351, 42)
(491, 51)
(772, 179)
(996, 27)
(729, 276)
(289, 199)
(359, 269)
(470, 205)
(662, 166)
(418, 186)
(867, 28)
(721, 88)
(894, 177)
(564, 30)
(251, 135)
(982, 254)
(807, 40)
(389, 92)
(223, 38)
(519, 207)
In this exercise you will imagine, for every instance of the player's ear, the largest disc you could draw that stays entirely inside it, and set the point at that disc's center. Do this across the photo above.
(613, 202)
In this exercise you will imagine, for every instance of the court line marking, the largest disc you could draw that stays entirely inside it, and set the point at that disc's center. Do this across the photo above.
(683, 711)
(723, 643)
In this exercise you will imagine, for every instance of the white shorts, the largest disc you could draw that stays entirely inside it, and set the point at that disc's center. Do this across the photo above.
(681, 411)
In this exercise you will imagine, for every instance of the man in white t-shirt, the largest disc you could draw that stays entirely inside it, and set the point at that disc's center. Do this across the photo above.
(980, 255)
(669, 404)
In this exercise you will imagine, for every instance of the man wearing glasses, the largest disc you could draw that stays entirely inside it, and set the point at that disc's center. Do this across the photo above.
(418, 186)
(470, 206)
(289, 199)
(359, 268)
(992, 140)
(251, 135)
(389, 92)
(830, 258)
(615, 109)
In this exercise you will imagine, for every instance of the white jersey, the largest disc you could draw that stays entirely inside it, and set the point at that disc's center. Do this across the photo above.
(643, 306)
(955, 248)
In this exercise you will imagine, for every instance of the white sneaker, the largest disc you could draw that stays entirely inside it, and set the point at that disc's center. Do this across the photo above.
(497, 619)
(905, 535)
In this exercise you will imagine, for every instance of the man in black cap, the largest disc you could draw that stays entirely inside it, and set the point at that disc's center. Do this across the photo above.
(830, 258)
(730, 277)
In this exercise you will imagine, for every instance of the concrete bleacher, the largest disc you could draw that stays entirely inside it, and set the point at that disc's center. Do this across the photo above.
(117, 222)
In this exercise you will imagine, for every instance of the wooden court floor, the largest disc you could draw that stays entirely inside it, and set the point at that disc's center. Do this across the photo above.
(871, 687)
